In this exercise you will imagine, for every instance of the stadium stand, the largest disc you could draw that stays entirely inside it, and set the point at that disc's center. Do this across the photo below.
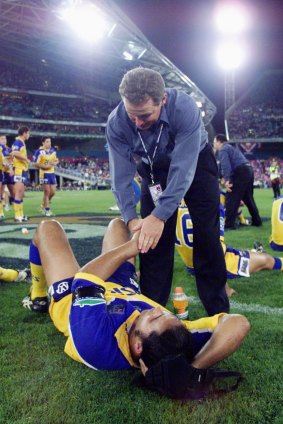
(258, 114)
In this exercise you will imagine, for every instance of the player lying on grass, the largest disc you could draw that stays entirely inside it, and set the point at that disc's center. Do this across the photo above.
(239, 263)
(13, 276)
(108, 324)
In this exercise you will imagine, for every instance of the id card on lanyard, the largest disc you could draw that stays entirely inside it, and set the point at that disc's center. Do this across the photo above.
(155, 188)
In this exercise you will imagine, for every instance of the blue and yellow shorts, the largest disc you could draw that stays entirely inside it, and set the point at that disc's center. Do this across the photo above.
(48, 178)
(8, 179)
(20, 176)
(237, 262)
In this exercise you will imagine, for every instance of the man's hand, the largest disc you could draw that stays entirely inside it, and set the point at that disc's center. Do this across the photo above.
(151, 229)
(228, 186)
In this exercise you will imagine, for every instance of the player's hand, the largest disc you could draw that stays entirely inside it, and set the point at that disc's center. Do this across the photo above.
(151, 231)
(228, 186)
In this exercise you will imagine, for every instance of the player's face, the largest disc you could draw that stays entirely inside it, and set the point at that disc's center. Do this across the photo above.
(156, 320)
(144, 114)
(26, 135)
(47, 143)
(3, 140)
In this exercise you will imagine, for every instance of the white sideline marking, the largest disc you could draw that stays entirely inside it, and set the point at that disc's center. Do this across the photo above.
(244, 307)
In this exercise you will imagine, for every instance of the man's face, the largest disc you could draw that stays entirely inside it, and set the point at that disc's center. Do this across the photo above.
(144, 114)
(47, 143)
(3, 140)
(155, 320)
(26, 135)
(216, 145)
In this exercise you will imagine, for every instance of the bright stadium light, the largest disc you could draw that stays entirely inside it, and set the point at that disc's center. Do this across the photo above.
(231, 18)
(230, 55)
(86, 21)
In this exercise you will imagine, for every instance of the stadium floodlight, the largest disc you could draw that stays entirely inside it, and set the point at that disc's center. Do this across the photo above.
(86, 21)
(231, 18)
(230, 55)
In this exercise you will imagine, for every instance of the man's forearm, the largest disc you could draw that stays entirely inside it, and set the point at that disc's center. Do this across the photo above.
(20, 156)
(226, 338)
(105, 265)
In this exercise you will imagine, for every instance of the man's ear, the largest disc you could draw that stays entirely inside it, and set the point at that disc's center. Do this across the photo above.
(137, 346)
(164, 98)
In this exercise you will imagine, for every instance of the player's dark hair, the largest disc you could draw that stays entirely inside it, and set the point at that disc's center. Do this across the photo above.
(23, 130)
(173, 341)
(140, 84)
(44, 138)
(221, 138)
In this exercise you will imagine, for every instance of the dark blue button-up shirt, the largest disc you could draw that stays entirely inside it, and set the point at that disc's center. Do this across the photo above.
(182, 138)
(230, 158)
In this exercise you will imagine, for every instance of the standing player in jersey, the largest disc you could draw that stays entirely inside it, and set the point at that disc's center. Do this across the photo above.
(8, 174)
(20, 165)
(1, 179)
(45, 159)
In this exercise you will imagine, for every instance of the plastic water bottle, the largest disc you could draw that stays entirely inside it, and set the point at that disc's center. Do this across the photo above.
(180, 303)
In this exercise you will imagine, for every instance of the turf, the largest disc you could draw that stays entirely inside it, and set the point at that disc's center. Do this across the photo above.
(40, 384)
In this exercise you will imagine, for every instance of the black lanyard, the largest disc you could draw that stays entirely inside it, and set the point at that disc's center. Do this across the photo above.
(150, 160)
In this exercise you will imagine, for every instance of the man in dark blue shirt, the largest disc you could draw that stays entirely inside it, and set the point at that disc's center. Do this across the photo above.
(239, 181)
(159, 133)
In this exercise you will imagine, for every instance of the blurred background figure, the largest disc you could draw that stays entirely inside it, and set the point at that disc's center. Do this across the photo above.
(274, 174)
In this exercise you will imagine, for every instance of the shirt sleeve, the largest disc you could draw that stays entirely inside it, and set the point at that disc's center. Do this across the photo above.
(184, 156)
(122, 171)
(17, 146)
(224, 157)
(35, 157)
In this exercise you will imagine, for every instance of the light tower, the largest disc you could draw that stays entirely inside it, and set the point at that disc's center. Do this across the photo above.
(231, 21)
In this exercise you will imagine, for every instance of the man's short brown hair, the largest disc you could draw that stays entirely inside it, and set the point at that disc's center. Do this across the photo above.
(23, 130)
(140, 84)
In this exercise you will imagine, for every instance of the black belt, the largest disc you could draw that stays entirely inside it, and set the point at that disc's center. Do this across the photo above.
(88, 291)
(243, 164)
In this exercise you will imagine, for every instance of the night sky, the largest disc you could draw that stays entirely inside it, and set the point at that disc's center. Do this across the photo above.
(184, 31)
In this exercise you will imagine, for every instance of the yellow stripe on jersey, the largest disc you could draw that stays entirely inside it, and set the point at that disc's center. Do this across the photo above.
(276, 238)
(19, 164)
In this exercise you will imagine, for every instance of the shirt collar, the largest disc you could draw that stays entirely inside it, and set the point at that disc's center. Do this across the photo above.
(122, 338)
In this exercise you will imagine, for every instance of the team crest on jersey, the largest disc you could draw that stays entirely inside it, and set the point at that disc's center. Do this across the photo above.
(88, 301)
(116, 309)
(62, 287)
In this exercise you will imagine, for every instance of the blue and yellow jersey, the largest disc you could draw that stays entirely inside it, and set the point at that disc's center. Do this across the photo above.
(276, 238)
(7, 157)
(18, 164)
(43, 157)
(99, 328)
(1, 157)
(237, 261)
(184, 234)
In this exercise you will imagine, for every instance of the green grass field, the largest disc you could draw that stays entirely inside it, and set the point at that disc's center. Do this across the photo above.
(40, 384)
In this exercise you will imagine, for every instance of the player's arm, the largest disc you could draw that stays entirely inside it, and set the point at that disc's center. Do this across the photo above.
(20, 156)
(226, 339)
(106, 264)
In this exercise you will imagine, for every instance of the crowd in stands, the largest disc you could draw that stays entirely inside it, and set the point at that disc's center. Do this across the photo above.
(52, 108)
(57, 96)
(95, 171)
(50, 128)
(40, 77)
(260, 113)
(98, 169)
